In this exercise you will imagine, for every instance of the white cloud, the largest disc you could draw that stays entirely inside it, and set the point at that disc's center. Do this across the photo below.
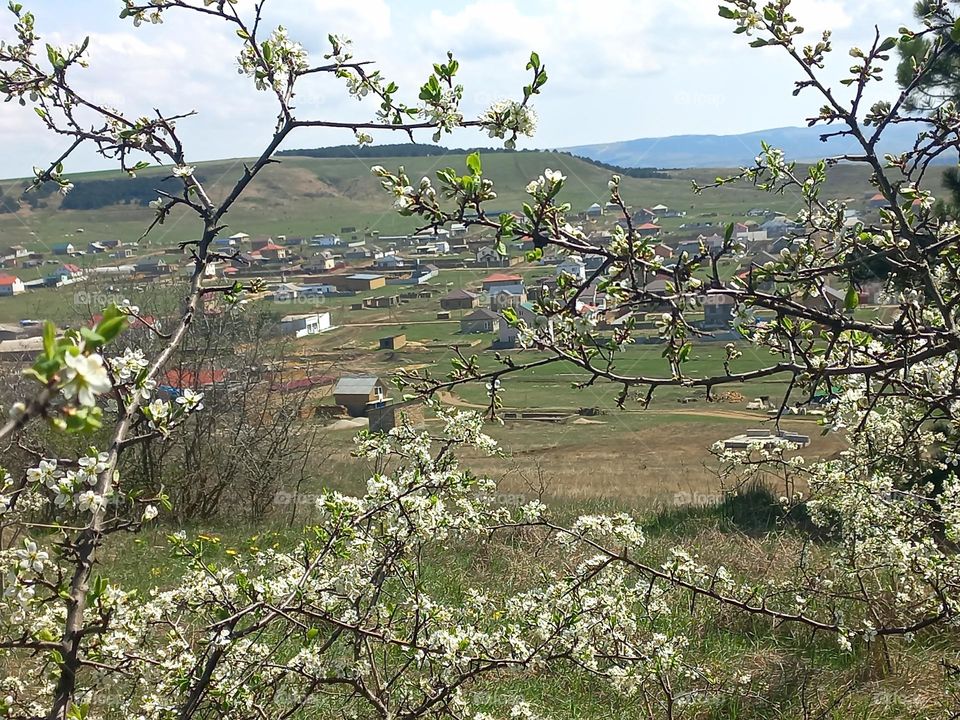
(619, 69)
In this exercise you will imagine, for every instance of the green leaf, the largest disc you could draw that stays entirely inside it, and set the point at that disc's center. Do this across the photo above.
(534, 62)
(851, 299)
(728, 233)
(53, 55)
(888, 44)
(92, 337)
(49, 339)
(727, 13)
(108, 329)
(955, 31)
(473, 162)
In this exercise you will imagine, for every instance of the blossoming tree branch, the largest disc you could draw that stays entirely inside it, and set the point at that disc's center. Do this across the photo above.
(349, 619)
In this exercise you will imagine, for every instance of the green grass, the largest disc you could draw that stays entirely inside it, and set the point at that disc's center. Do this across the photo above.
(304, 196)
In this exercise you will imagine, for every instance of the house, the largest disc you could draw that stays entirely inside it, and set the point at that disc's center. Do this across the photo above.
(779, 225)
(272, 251)
(179, 379)
(361, 281)
(11, 285)
(508, 335)
(441, 247)
(663, 251)
(503, 299)
(459, 300)
(325, 240)
(64, 275)
(393, 342)
(153, 266)
(389, 262)
(240, 238)
(872, 292)
(321, 262)
(96, 248)
(64, 249)
(458, 229)
(692, 247)
(749, 235)
(502, 281)
(10, 331)
(592, 263)
(357, 393)
(112, 244)
(488, 256)
(718, 311)
(878, 201)
(16, 252)
(648, 230)
(225, 242)
(664, 212)
(594, 210)
(318, 290)
(644, 215)
(829, 300)
(306, 324)
(363, 253)
(424, 273)
(480, 320)
(123, 252)
(286, 292)
(573, 265)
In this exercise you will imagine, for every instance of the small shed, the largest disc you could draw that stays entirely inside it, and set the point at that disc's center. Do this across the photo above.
(393, 342)
(361, 281)
(356, 393)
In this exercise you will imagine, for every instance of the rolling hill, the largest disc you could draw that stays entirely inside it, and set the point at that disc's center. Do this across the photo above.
(707, 151)
(305, 196)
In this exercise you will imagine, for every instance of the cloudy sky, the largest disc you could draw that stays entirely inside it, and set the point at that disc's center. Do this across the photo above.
(619, 69)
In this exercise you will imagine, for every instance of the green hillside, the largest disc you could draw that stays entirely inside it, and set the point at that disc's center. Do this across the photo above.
(305, 196)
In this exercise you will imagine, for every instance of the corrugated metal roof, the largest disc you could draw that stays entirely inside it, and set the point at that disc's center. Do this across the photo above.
(355, 385)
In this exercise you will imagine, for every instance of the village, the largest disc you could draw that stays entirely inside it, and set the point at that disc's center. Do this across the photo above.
(365, 305)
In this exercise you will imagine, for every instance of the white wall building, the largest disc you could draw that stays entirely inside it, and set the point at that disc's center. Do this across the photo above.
(307, 324)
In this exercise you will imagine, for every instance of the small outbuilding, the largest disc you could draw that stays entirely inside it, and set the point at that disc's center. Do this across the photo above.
(357, 393)
(393, 342)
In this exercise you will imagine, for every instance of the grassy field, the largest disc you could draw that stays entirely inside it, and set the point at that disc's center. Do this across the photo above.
(305, 196)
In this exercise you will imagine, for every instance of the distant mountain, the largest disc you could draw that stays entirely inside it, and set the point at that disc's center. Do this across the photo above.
(716, 151)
